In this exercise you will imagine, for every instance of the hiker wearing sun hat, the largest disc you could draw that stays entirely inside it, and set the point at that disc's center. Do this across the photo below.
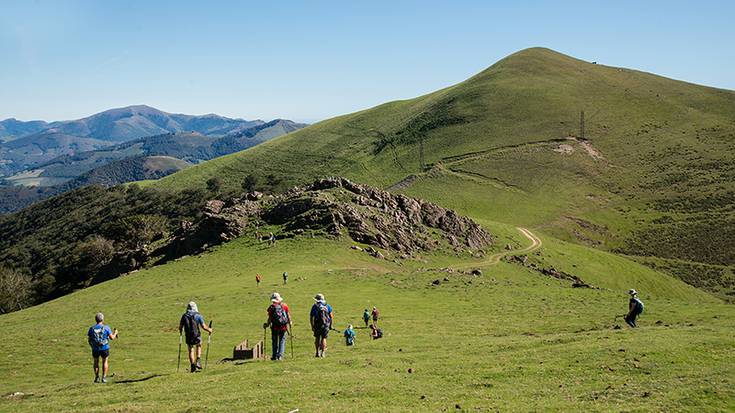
(279, 320)
(191, 324)
(635, 308)
(321, 318)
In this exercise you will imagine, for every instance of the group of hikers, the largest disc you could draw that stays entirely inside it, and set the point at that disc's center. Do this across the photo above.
(321, 319)
(259, 278)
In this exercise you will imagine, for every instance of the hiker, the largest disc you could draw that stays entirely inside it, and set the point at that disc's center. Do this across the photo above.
(375, 332)
(321, 318)
(258, 277)
(635, 308)
(350, 336)
(271, 239)
(191, 322)
(99, 336)
(375, 315)
(366, 317)
(279, 320)
(285, 277)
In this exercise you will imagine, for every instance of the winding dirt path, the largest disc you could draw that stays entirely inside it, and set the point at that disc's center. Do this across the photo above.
(495, 258)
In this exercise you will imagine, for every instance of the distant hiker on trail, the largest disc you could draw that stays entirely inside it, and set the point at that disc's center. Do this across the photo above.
(350, 336)
(321, 318)
(190, 324)
(271, 239)
(99, 336)
(279, 320)
(285, 278)
(375, 332)
(258, 277)
(635, 308)
(366, 317)
(375, 315)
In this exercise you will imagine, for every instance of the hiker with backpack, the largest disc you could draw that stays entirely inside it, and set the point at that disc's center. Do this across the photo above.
(375, 332)
(99, 336)
(635, 308)
(350, 336)
(279, 320)
(375, 315)
(285, 278)
(321, 318)
(258, 277)
(366, 317)
(191, 324)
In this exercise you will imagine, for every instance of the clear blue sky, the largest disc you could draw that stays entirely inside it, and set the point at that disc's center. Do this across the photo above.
(316, 59)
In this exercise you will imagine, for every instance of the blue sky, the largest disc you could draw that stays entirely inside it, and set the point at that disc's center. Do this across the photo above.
(316, 59)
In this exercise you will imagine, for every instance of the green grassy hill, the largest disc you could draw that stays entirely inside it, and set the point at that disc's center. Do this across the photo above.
(652, 176)
(511, 339)
(644, 194)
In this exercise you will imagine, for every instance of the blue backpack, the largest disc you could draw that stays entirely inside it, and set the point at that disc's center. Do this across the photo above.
(99, 336)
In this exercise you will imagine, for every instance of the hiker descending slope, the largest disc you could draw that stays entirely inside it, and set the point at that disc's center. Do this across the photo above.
(191, 323)
(279, 320)
(635, 308)
(321, 318)
(375, 315)
(99, 336)
(366, 317)
(350, 335)
(285, 278)
(375, 332)
(258, 278)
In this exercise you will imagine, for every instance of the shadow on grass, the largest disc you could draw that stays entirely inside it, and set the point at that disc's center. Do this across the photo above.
(128, 381)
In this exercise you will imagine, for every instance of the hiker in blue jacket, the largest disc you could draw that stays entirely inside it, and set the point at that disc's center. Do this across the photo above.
(635, 308)
(99, 336)
(191, 323)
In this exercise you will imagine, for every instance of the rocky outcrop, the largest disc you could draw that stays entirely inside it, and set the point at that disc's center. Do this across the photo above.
(336, 207)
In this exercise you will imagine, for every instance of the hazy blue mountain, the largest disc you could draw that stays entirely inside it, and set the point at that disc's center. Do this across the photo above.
(27, 144)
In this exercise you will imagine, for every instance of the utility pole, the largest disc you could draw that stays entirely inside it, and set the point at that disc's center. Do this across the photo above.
(581, 125)
(421, 153)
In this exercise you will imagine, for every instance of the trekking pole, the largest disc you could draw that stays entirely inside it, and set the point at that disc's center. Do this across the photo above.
(265, 348)
(209, 344)
(290, 336)
(179, 363)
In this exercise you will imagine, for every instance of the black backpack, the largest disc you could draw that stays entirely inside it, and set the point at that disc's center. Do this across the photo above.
(280, 316)
(191, 326)
(378, 334)
(322, 320)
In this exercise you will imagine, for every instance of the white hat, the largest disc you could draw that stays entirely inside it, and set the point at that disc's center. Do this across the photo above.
(276, 298)
(632, 292)
(192, 306)
(319, 297)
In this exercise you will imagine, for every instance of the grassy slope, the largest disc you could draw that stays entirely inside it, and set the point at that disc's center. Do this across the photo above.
(531, 342)
(662, 186)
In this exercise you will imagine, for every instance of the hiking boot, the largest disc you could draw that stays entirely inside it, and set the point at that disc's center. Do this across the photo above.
(199, 363)
(193, 368)
(104, 379)
(97, 379)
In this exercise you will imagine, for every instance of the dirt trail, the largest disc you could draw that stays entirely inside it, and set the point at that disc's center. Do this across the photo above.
(495, 258)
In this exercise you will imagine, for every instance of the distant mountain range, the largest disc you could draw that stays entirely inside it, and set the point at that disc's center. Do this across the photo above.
(116, 146)
(26, 144)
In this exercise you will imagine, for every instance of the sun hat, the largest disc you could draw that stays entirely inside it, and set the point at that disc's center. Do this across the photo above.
(276, 298)
(632, 292)
(319, 297)
(192, 306)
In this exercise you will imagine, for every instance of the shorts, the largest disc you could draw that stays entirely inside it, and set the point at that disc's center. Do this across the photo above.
(321, 332)
(101, 353)
(194, 341)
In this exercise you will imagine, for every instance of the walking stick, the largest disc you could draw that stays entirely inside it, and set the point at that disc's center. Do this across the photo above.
(265, 348)
(179, 363)
(209, 344)
(290, 336)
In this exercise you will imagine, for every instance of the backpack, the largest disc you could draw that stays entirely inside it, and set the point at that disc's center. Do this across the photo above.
(99, 338)
(322, 319)
(279, 316)
(378, 334)
(638, 306)
(191, 326)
